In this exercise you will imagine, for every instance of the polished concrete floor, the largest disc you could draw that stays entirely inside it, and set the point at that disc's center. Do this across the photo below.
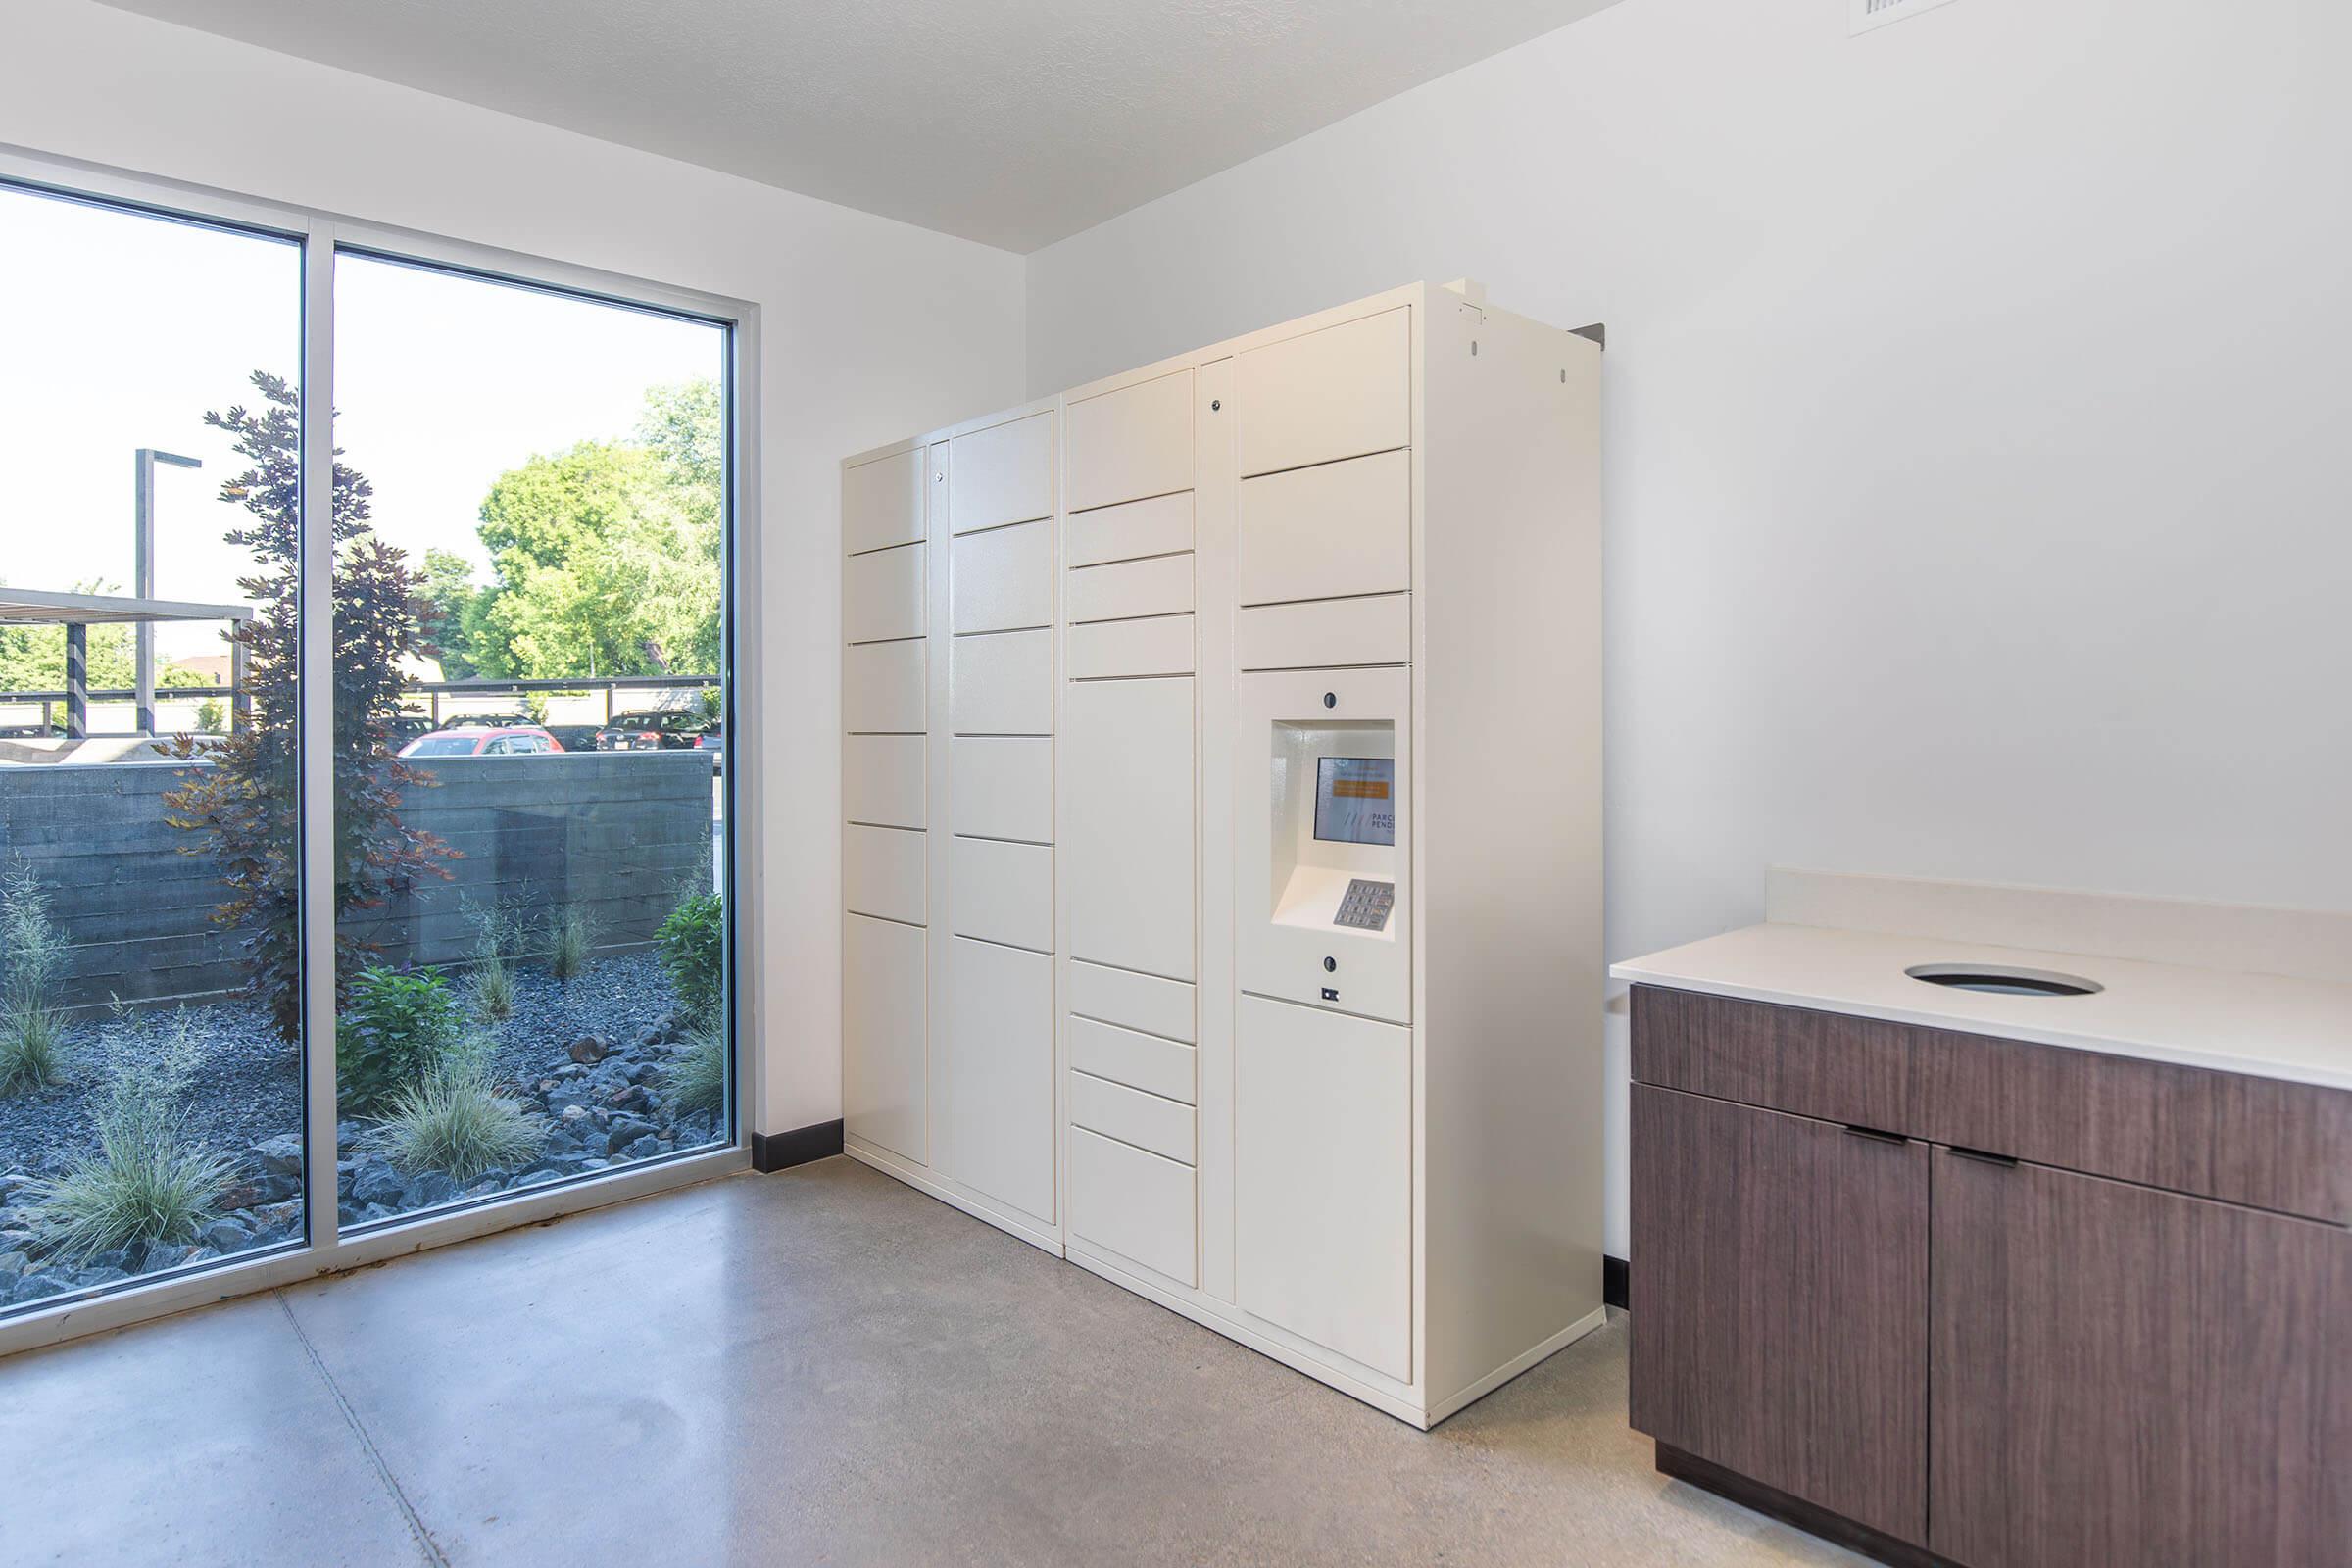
(816, 1368)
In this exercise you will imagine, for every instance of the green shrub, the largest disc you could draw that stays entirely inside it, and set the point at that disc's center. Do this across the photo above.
(490, 987)
(149, 1181)
(32, 953)
(694, 952)
(396, 1027)
(210, 717)
(454, 1120)
(697, 1079)
(570, 943)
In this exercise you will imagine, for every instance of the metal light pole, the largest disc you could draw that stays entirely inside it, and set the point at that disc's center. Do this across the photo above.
(143, 571)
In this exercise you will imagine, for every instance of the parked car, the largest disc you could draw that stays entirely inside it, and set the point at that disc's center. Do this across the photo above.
(405, 727)
(714, 740)
(486, 721)
(650, 731)
(484, 740)
(575, 737)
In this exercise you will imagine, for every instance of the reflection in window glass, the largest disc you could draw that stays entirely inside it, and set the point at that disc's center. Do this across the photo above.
(532, 982)
(151, 1063)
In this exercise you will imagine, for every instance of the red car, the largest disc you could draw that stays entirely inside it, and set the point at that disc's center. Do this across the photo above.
(484, 740)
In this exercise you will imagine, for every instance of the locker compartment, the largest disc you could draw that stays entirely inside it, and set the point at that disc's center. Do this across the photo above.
(885, 687)
(1002, 891)
(884, 872)
(1002, 474)
(1160, 586)
(1324, 532)
(1002, 683)
(1000, 1079)
(1003, 580)
(1133, 1204)
(1132, 443)
(1340, 392)
(1148, 1062)
(1323, 1189)
(1326, 633)
(1002, 787)
(882, 503)
(1128, 824)
(1105, 649)
(882, 595)
(1130, 531)
(882, 780)
(1133, 1001)
(885, 1081)
(1132, 1116)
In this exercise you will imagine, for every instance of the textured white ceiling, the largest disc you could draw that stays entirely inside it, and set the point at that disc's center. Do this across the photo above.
(1011, 122)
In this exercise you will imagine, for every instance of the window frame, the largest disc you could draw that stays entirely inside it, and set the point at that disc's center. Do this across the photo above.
(324, 236)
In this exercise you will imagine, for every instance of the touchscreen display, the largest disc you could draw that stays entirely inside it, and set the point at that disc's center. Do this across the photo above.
(1355, 799)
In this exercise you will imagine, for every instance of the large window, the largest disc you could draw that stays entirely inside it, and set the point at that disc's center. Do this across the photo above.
(497, 773)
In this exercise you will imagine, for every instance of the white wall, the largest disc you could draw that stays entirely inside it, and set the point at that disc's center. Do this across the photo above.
(1976, 418)
(871, 328)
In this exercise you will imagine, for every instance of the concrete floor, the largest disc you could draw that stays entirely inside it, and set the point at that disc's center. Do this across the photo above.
(816, 1368)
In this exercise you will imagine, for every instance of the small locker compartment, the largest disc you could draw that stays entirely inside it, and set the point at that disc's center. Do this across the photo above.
(1159, 644)
(1133, 1204)
(1001, 581)
(882, 780)
(1159, 526)
(882, 595)
(1132, 1000)
(1132, 443)
(885, 1087)
(1002, 683)
(1002, 787)
(1322, 875)
(1002, 474)
(1128, 824)
(1338, 392)
(1000, 1078)
(1002, 891)
(1330, 531)
(1162, 1067)
(1326, 632)
(883, 688)
(1323, 1188)
(882, 503)
(884, 872)
(1133, 1116)
(1158, 585)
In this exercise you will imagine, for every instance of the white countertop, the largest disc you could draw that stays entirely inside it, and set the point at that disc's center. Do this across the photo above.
(2265, 1025)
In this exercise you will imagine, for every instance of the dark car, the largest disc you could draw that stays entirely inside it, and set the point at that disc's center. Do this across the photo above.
(714, 740)
(651, 731)
(575, 737)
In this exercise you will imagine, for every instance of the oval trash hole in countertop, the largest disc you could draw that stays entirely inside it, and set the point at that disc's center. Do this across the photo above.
(2002, 980)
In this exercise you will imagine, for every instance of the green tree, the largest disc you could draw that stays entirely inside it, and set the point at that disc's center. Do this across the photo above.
(452, 612)
(32, 659)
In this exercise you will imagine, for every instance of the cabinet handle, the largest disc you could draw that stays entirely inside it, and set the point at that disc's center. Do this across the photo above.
(1985, 1156)
(1876, 1135)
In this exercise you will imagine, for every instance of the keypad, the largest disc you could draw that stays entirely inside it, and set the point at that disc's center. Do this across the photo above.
(1366, 904)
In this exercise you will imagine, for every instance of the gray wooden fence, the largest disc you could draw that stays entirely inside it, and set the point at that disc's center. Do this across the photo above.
(617, 836)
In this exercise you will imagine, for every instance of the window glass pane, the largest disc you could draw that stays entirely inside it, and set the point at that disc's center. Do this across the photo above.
(151, 1064)
(531, 984)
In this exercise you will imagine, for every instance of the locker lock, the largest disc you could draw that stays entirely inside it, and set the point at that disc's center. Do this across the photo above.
(1331, 698)
(1331, 966)
(1214, 403)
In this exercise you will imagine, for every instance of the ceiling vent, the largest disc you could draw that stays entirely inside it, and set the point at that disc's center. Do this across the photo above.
(1869, 14)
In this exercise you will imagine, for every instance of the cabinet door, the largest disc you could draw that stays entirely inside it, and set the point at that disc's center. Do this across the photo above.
(1127, 823)
(999, 1092)
(2123, 1375)
(1779, 1302)
(885, 1045)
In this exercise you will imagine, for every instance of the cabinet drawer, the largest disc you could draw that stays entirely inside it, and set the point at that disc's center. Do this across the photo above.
(882, 595)
(1002, 474)
(1001, 581)
(1132, 1000)
(1003, 684)
(1135, 1205)
(1340, 392)
(1326, 532)
(1002, 787)
(884, 687)
(882, 503)
(1327, 633)
(884, 872)
(1148, 1062)
(1132, 443)
(1160, 586)
(1820, 1065)
(882, 778)
(1002, 891)
(1158, 526)
(1106, 649)
(1132, 1116)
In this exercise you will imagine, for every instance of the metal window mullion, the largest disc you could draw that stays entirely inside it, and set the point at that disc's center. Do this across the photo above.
(314, 646)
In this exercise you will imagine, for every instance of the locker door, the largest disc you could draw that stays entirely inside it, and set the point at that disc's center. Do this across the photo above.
(885, 1094)
(1128, 824)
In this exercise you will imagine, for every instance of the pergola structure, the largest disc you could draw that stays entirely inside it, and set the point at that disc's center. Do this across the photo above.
(79, 613)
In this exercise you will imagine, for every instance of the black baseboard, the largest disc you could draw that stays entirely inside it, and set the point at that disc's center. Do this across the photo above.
(773, 1151)
(1612, 1281)
(1806, 1516)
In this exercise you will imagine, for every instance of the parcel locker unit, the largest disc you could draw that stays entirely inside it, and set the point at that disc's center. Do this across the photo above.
(1318, 831)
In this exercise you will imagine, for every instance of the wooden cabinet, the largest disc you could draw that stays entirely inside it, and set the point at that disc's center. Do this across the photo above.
(1960, 1355)
(1778, 1300)
(2130, 1376)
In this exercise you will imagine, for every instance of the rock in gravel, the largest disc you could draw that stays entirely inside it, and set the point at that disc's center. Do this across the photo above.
(12, 1269)
(590, 1049)
(102, 1276)
(377, 1182)
(33, 1286)
(165, 1254)
(645, 1148)
(347, 1134)
(226, 1234)
(626, 1130)
(280, 1156)
(430, 1189)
